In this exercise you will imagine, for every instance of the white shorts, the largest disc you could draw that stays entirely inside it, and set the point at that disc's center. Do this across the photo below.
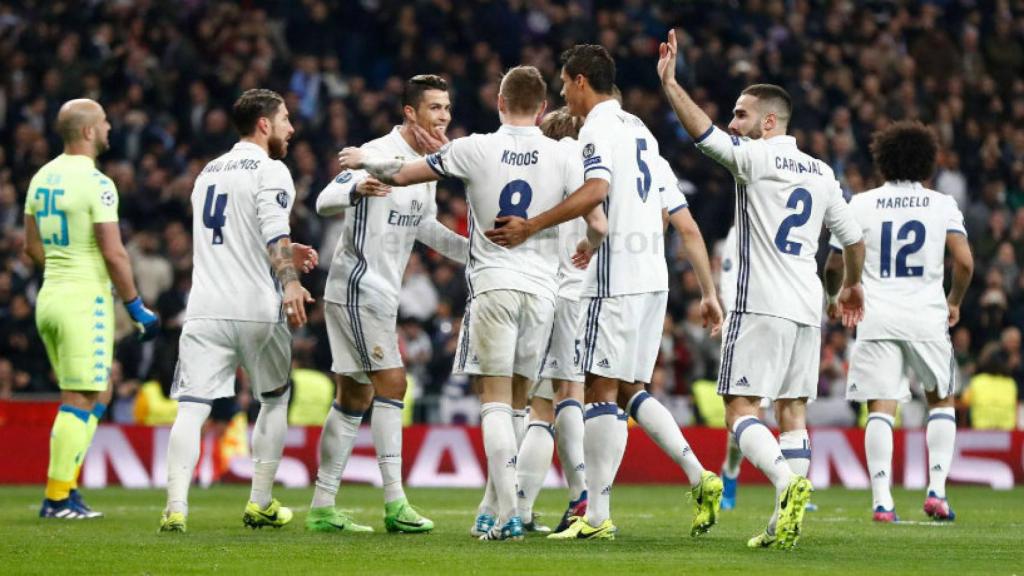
(504, 332)
(210, 352)
(561, 357)
(542, 388)
(620, 336)
(362, 340)
(878, 369)
(769, 357)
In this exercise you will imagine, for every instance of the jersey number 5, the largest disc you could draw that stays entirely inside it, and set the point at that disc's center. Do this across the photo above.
(49, 208)
(914, 227)
(802, 198)
(643, 184)
(213, 213)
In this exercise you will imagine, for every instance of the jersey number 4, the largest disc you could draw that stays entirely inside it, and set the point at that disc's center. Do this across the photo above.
(213, 213)
(802, 198)
(49, 209)
(914, 227)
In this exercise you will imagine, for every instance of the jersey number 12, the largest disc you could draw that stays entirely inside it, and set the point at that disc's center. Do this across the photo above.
(914, 227)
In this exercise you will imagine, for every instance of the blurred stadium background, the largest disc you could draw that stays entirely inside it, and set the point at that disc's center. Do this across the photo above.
(167, 72)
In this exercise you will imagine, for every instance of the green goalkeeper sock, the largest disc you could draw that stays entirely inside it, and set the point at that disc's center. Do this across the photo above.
(67, 447)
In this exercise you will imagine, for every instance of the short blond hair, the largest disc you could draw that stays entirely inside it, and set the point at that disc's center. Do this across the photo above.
(523, 89)
(559, 124)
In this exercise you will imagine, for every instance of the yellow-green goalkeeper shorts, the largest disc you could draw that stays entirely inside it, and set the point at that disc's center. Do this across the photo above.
(76, 324)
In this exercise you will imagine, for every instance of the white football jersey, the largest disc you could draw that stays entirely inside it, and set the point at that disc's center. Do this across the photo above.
(617, 147)
(570, 278)
(516, 171)
(240, 204)
(379, 232)
(782, 198)
(727, 280)
(672, 198)
(905, 227)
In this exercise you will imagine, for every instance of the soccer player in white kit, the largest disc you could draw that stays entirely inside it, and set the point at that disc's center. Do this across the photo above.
(236, 311)
(773, 336)
(361, 307)
(514, 171)
(908, 229)
(626, 289)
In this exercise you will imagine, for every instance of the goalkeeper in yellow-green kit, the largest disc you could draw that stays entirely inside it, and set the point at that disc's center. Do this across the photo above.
(71, 230)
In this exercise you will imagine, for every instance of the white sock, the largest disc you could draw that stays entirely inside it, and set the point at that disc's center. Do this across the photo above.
(519, 425)
(336, 442)
(733, 458)
(183, 452)
(796, 447)
(569, 437)
(500, 446)
(267, 446)
(659, 424)
(603, 445)
(489, 504)
(386, 426)
(878, 449)
(941, 438)
(621, 437)
(532, 465)
(760, 447)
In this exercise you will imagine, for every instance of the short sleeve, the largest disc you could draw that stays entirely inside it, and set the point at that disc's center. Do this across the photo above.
(596, 152)
(954, 218)
(672, 198)
(104, 200)
(737, 154)
(274, 199)
(454, 159)
(841, 221)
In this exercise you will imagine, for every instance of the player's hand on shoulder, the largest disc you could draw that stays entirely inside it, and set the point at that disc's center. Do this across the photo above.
(851, 305)
(711, 313)
(350, 158)
(509, 231)
(305, 258)
(372, 187)
(146, 322)
(294, 303)
(429, 141)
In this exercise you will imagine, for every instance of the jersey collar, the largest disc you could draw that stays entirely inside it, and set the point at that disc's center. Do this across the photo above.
(78, 158)
(248, 146)
(783, 140)
(519, 130)
(609, 106)
(903, 184)
(402, 144)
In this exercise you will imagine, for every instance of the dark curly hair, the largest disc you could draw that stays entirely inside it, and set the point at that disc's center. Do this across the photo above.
(905, 151)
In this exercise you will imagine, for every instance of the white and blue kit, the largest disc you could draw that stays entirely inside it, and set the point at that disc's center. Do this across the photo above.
(241, 202)
(365, 277)
(905, 318)
(772, 339)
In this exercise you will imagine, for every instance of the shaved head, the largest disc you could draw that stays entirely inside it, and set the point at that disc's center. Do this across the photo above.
(83, 121)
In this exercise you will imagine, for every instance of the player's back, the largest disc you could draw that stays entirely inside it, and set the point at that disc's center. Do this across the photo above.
(516, 171)
(240, 205)
(67, 196)
(905, 227)
(570, 278)
(782, 198)
(618, 147)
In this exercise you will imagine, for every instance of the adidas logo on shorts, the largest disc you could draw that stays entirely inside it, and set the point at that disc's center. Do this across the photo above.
(743, 382)
(604, 363)
(553, 364)
(853, 387)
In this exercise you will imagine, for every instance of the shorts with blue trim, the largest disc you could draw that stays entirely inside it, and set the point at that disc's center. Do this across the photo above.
(769, 357)
(363, 339)
(879, 368)
(620, 336)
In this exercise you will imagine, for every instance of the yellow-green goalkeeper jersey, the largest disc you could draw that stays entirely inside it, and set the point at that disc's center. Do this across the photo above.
(67, 196)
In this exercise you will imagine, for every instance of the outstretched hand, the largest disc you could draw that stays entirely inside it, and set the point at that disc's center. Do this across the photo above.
(581, 259)
(350, 158)
(667, 52)
(851, 305)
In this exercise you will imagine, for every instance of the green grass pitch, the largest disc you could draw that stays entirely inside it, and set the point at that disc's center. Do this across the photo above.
(987, 538)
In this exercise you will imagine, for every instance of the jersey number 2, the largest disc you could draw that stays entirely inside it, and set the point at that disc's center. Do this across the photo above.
(213, 213)
(800, 197)
(914, 227)
(50, 209)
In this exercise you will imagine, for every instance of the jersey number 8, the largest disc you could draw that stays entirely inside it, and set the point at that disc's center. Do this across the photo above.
(515, 199)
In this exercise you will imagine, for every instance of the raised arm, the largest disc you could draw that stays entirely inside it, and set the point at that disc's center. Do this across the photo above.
(963, 271)
(694, 120)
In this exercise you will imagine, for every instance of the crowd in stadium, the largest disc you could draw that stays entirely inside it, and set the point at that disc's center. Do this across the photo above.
(167, 74)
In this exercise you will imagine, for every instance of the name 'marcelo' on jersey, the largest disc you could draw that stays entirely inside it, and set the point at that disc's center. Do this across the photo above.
(379, 232)
(905, 227)
(782, 198)
(240, 204)
(617, 147)
(516, 171)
